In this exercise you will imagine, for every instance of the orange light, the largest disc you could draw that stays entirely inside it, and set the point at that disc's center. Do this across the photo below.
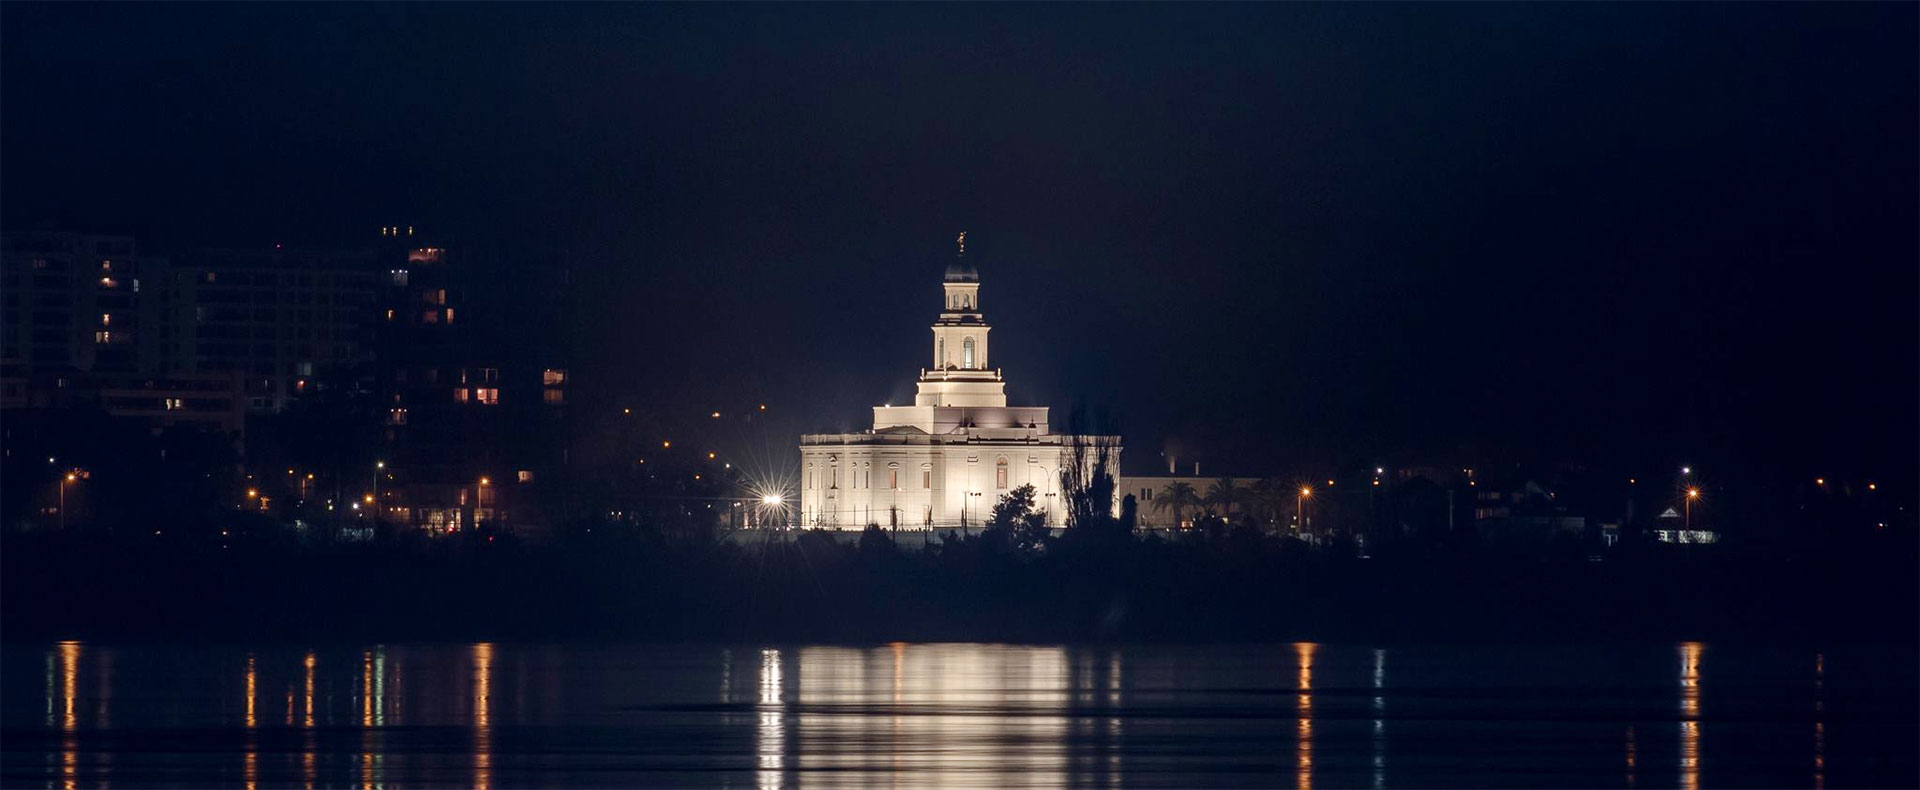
(1305, 491)
(763, 407)
(72, 477)
(1872, 487)
(367, 499)
(486, 481)
(709, 456)
(1819, 481)
(716, 415)
(666, 444)
(626, 411)
(253, 493)
(1693, 493)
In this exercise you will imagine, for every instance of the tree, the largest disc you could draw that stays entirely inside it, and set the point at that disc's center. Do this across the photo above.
(1270, 498)
(1016, 518)
(1223, 493)
(1177, 496)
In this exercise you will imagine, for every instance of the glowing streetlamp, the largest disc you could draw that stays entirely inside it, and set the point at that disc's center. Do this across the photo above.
(1687, 519)
(69, 478)
(1300, 508)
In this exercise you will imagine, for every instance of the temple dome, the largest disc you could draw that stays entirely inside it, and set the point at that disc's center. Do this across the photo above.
(962, 272)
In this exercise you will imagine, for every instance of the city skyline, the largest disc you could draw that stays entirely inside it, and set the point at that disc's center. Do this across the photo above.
(1726, 288)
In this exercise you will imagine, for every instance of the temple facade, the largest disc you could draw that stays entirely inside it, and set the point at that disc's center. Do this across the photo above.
(944, 461)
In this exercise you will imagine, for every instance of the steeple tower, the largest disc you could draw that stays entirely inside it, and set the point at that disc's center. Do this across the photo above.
(960, 375)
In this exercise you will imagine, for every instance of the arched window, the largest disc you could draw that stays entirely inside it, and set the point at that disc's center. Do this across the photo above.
(966, 354)
(1000, 474)
(942, 360)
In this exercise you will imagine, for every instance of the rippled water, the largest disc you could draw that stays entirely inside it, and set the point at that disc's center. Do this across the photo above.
(953, 715)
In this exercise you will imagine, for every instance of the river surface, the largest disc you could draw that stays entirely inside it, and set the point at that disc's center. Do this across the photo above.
(955, 715)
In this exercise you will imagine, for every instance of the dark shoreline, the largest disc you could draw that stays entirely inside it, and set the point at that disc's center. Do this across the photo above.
(1199, 592)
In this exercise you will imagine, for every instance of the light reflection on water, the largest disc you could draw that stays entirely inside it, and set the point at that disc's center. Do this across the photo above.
(1303, 742)
(953, 715)
(1690, 653)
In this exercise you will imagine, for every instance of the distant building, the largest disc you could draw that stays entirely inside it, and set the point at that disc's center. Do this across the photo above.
(278, 318)
(73, 303)
(1526, 511)
(1149, 495)
(1671, 527)
(948, 458)
(213, 402)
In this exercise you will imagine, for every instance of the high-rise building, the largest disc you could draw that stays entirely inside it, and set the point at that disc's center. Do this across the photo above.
(73, 303)
(278, 318)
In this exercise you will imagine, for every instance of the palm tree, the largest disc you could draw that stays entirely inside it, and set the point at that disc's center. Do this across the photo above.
(1270, 498)
(1177, 496)
(1224, 492)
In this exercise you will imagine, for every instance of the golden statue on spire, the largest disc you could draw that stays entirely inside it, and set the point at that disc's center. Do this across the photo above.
(963, 242)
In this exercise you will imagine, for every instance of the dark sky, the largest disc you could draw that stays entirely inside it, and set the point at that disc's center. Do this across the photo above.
(1267, 234)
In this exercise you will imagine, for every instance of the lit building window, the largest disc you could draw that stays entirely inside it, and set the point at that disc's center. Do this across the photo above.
(460, 395)
(396, 416)
(487, 395)
(893, 478)
(103, 337)
(926, 478)
(173, 404)
(553, 378)
(399, 277)
(526, 475)
(106, 319)
(554, 397)
(1000, 474)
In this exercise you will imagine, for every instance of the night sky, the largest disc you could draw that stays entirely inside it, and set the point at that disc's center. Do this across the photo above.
(1262, 235)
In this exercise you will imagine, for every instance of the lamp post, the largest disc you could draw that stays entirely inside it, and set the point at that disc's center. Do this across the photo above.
(379, 469)
(479, 498)
(1300, 508)
(1052, 477)
(1687, 519)
(64, 480)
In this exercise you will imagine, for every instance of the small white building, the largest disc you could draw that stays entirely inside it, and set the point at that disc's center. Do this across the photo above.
(947, 459)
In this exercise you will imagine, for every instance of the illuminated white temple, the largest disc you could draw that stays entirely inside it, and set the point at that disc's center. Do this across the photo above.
(944, 461)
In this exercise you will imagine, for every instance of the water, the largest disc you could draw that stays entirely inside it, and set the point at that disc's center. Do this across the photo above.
(955, 715)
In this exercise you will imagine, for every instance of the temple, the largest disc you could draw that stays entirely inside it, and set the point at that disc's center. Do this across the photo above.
(947, 459)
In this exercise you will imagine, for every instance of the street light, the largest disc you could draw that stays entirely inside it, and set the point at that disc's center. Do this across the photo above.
(1300, 508)
(1687, 520)
(71, 476)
